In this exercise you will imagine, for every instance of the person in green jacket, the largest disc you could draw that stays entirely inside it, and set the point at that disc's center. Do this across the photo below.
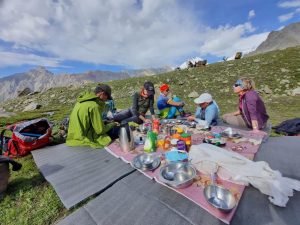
(86, 127)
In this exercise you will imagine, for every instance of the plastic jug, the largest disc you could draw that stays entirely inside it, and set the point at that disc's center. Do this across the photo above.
(126, 138)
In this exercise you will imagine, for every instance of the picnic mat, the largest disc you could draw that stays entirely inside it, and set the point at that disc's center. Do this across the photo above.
(78, 172)
(195, 191)
(136, 200)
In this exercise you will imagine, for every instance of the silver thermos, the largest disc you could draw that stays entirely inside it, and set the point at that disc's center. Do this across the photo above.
(126, 138)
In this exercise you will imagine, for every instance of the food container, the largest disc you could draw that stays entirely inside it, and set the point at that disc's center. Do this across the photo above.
(176, 136)
(181, 145)
(186, 137)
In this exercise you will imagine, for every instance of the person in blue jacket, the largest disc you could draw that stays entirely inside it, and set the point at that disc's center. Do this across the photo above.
(207, 110)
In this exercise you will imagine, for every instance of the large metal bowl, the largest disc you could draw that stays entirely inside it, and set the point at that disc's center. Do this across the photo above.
(177, 174)
(146, 161)
(219, 197)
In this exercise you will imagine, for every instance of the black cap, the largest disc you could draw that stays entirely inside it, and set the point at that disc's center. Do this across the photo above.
(105, 88)
(149, 87)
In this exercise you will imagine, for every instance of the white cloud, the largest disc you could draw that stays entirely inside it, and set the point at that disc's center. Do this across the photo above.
(289, 4)
(136, 33)
(17, 59)
(286, 17)
(251, 14)
(229, 39)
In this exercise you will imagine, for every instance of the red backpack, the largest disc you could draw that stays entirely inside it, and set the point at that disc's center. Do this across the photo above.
(26, 136)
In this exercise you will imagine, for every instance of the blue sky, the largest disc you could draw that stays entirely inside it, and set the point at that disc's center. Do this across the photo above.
(73, 36)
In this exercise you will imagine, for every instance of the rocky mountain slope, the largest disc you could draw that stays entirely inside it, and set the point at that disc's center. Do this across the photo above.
(40, 79)
(276, 73)
(287, 37)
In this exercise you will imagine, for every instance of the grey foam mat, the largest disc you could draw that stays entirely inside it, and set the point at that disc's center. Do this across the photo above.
(139, 200)
(78, 172)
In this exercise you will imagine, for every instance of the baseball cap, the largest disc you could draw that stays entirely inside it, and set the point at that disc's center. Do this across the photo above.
(149, 87)
(164, 87)
(205, 97)
(105, 88)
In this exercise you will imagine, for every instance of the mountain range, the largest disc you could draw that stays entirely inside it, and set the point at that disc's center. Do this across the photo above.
(40, 79)
(289, 36)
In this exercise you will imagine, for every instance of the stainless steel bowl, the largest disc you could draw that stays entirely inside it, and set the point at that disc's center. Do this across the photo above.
(233, 135)
(177, 174)
(146, 161)
(219, 197)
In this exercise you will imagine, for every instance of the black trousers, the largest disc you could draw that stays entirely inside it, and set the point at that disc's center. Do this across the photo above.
(113, 133)
(126, 116)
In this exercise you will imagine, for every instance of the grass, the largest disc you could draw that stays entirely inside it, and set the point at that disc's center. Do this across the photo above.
(31, 200)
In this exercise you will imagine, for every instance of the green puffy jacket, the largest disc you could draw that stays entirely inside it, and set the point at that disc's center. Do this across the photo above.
(86, 127)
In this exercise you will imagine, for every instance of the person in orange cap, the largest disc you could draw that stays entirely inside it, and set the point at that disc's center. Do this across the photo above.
(168, 106)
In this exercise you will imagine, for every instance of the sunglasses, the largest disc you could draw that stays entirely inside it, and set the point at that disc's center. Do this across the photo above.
(236, 85)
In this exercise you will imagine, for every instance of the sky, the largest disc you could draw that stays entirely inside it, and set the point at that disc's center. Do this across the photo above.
(75, 36)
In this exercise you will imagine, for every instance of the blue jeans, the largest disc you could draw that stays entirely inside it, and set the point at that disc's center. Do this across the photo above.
(173, 109)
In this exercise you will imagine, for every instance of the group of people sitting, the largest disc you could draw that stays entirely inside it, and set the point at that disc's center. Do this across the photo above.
(90, 125)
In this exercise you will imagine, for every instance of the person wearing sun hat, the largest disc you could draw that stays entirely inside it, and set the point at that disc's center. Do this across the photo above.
(251, 109)
(168, 107)
(141, 102)
(207, 110)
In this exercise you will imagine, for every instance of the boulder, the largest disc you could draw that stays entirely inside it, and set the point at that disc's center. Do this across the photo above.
(25, 91)
(296, 91)
(238, 55)
(181, 82)
(193, 94)
(267, 90)
(3, 113)
(283, 70)
(32, 106)
(284, 82)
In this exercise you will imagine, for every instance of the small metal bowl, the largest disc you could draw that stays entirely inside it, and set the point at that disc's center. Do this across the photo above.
(233, 135)
(146, 161)
(219, 197)
(177, 174)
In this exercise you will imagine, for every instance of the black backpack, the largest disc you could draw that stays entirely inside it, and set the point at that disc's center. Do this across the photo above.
(289, 127)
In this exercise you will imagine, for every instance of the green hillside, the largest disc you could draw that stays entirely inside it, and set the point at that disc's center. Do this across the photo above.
(31, 200)
(275, 73)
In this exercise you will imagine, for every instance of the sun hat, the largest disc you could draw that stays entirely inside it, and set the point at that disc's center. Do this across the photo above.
(205, 97)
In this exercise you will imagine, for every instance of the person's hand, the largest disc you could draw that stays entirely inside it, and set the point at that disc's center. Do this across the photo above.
(191, 118)
(236, 113)
(116, 123)
(147, 121)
